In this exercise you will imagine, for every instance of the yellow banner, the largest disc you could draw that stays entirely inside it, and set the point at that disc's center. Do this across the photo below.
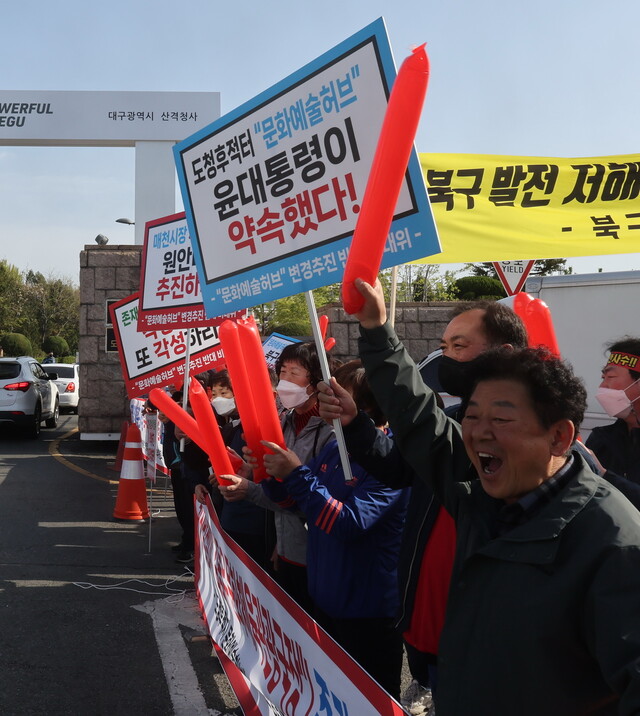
(501, 208)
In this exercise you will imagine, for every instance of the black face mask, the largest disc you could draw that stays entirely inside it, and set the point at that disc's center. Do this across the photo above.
(456, 377)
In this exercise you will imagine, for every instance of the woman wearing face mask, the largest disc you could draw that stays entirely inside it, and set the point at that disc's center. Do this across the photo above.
(617, 446)
(305, 433)
(250, 525)
(354, 533)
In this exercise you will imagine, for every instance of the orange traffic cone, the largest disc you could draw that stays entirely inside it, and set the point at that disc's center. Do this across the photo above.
(131, 502)
(117, 465)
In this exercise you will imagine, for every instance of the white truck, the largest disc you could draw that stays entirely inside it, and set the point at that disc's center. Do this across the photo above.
(589, 311)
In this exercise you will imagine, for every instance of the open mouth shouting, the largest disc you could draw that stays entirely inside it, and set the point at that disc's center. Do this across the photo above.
(489, 463)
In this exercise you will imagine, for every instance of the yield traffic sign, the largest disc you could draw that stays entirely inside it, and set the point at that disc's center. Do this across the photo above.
(513, 274)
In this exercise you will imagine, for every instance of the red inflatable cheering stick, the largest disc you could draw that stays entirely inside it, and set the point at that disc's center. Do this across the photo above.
(387, 174)
(253, 393)
(323, 322)
(263, 398)
(201, 432)
(242, 387)
(536, 316)
(177, 415)
(210, 431)
(236, 462)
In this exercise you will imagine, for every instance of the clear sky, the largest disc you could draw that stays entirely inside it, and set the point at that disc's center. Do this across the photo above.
(546, 78)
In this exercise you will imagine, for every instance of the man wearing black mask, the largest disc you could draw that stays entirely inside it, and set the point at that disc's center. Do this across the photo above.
(428, 544)
(474, 328)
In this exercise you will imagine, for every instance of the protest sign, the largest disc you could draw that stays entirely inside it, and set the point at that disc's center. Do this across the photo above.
(170, 295)
(141, 419)
(274, 345)
(151, 359)
(152, 440)
(495, 208)
(272, 190)
(277, 658)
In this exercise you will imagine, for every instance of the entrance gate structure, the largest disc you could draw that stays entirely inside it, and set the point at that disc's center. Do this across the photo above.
(151, 122)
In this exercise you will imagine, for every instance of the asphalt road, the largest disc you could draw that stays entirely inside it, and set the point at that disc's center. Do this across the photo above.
(76, 636)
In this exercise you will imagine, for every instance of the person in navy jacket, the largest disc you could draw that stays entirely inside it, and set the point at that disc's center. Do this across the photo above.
(355, 529)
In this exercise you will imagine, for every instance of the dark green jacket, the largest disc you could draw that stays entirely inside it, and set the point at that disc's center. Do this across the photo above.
(544, 620)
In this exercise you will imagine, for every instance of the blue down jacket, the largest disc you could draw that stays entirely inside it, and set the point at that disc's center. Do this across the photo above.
(354, 536)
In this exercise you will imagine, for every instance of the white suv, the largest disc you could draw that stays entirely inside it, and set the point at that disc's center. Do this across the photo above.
(28, 395)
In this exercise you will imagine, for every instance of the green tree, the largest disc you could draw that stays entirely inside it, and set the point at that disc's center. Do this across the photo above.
(547, 267)
(420, 282)
(11, 305)
(435, 287)
(291, 316)
(472, 288)
(56, 345)
(15, 344)
(54, 308)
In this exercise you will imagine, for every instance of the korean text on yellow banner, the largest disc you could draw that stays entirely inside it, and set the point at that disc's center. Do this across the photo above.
(502, 208)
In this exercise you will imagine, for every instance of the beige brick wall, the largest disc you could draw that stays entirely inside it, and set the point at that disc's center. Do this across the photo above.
(419, 325)
(106, 272)
(113, 272)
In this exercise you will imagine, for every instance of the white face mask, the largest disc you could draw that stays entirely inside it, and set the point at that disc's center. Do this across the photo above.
(224, 406)
(615, 402)
(292, 395)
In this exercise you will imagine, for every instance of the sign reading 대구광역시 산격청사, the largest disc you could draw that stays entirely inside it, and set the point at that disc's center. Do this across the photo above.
(170, 295)
(273, 189)
(99, 118)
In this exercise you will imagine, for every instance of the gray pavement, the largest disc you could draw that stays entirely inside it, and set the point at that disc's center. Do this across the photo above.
(77, 635)
(99, 457)
(109, 647)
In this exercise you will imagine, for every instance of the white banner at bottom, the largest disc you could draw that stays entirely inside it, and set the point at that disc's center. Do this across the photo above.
(278, 660)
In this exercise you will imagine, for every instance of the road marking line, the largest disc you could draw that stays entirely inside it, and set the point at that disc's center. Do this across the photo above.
(186, 697)
(54, 451)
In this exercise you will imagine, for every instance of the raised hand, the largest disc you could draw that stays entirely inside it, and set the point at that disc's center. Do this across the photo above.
(335, 403)
(374, 312)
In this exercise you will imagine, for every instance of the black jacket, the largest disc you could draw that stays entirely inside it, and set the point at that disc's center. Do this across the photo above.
(618, 449)
(543, 619)
(381, 457)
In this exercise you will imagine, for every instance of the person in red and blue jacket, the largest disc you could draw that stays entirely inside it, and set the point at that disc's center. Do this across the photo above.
(354, 534)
